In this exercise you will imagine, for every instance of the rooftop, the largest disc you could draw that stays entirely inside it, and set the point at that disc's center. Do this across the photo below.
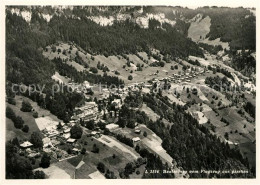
(135, 139)
(26, 144)
(70, 140)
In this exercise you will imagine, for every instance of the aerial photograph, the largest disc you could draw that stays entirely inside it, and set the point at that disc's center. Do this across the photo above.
(129, 92)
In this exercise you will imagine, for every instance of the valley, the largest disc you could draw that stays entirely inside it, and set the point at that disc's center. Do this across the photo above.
(114, 92)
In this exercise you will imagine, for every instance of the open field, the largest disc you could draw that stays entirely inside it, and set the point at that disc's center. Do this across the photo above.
(151, 142)
(123, 155)
(154, 143)
(199, 28)
(96, 175)
(113, 143)
(59, 170)
(28, 118)
(84, 171)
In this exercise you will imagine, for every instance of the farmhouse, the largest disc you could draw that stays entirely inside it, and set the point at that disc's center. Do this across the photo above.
(66, 130)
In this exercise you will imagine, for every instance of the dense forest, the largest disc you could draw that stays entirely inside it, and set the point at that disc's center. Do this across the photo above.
(121, 37)
(218, 83)
(250, 109)
(244, 62)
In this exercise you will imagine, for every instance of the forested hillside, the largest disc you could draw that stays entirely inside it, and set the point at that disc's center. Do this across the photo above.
(234, 25)
(191, 145)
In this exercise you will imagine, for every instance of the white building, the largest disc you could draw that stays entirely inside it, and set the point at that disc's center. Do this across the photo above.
(112, 126)
(70, 140)
(26, 144)
(136, 139)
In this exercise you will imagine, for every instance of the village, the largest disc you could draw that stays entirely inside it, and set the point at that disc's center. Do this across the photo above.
(56, 134)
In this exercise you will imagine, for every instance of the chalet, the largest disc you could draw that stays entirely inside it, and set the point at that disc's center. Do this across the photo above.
(136, 139)
(66, 136)
(66, 130)
(95, 134)
(70, 140)
(137, 131)
(75, 151)
(26, 144)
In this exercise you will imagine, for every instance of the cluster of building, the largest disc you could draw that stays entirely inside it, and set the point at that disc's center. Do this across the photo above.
(89, 111)
(54, 134)
(185, 77)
